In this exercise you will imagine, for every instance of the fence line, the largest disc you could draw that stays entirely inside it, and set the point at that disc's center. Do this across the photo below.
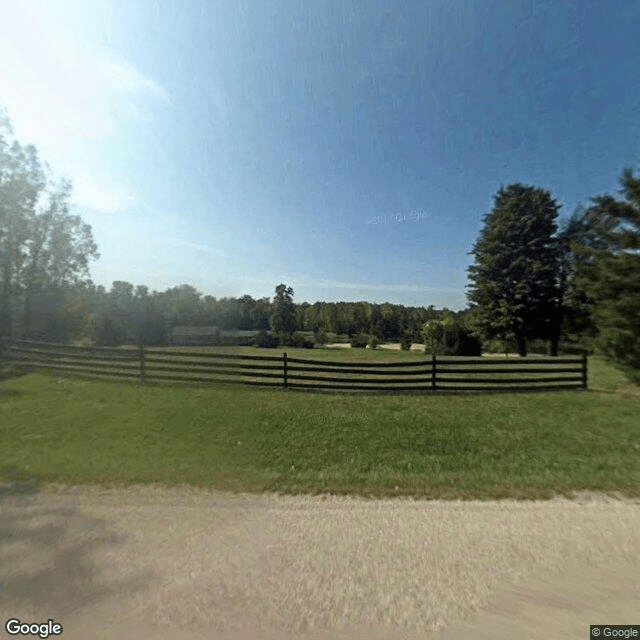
(435, 374)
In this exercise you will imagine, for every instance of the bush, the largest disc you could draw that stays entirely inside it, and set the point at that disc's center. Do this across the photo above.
(320, 337)
(538, 346)
(373, 342)
(468, 345)
(433, 337)
(266, 340)
(300, 341)
(405, 342)
(499, 346)
(360, 341)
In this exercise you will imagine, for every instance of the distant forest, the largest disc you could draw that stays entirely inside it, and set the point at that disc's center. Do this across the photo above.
(88, 314)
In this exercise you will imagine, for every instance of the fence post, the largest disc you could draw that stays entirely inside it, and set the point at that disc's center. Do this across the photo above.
(584, 369)
(433, 371)
(285, 369)
(141, 364)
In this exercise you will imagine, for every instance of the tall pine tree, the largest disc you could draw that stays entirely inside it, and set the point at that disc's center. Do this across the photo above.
(608, 270)
(515, 291)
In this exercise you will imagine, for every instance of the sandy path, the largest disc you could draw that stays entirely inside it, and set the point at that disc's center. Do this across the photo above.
(156, 563)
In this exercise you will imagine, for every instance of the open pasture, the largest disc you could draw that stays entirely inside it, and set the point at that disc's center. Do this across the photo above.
(521, 445)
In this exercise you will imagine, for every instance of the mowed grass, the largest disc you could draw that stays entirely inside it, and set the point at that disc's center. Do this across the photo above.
(520, 445)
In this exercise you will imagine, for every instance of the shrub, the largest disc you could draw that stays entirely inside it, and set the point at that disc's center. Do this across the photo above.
(405, 342)
(298, 340)
(266, 340)
(373, 342)
(320, 337)
(468, 345)
(493, 346)
(230, 339)
(500, 346)
(538, 346)
(359, 341)
(433, 337)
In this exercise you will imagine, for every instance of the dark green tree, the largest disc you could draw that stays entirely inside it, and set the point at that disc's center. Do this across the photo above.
(283, 314)
(405, 341)
(328, 316)
(150, 325)
(182, 306)
(301, 315)
(578, 323)
(245, 306)
(110, 332)
(375, 321)
(312, 317)
(607, 270)
(260, 314)
(390, 321)
(515, 290)
(148, 321)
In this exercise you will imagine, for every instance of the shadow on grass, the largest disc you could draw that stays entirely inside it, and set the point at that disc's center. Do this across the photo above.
(8, 372)
(10, 393)
(46, 567)
(442, 391)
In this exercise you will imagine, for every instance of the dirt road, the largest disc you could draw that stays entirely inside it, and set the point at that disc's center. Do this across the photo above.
(156, 563)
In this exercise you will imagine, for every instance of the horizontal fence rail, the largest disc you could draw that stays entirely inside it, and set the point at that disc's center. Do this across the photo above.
(159, 365)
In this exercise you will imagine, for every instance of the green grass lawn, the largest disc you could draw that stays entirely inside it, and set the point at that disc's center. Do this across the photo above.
(521, 445)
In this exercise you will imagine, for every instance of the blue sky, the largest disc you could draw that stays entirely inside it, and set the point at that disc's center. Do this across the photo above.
(347, 149)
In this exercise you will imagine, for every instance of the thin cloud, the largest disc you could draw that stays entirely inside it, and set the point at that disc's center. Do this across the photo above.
(126, 78)
(328, 284)
(109, 200)
(294, 281)
(192, 246)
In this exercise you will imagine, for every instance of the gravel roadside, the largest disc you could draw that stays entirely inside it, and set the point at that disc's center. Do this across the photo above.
(155, 562)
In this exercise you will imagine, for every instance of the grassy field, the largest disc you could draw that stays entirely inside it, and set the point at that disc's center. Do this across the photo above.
(521, 445)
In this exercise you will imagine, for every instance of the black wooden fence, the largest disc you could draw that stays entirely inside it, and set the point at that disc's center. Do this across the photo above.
(158, 365)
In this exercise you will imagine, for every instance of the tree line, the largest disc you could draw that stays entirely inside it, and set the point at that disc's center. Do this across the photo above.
(86, 313)
(531, 279)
